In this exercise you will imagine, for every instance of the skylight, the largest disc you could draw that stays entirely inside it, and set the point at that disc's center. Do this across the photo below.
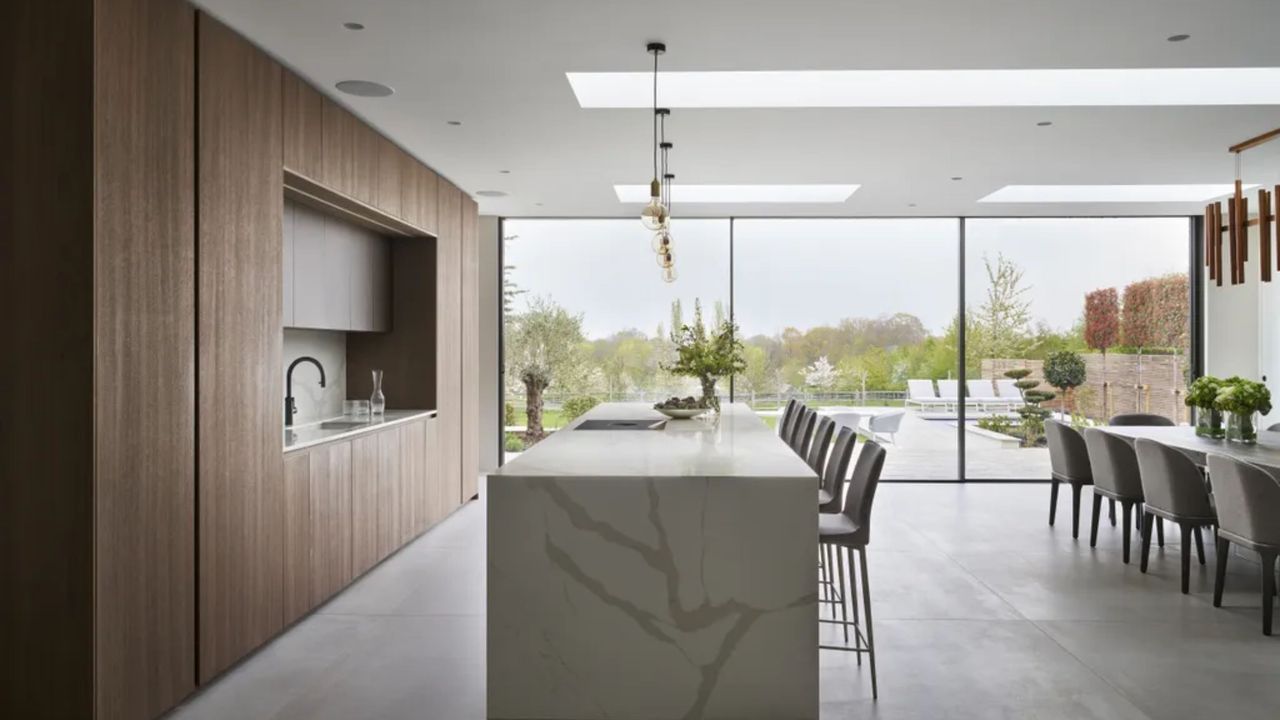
(1108, 193)
(931, 88)
(741, 193)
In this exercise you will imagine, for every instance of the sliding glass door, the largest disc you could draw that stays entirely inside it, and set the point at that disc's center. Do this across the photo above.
(856, 317)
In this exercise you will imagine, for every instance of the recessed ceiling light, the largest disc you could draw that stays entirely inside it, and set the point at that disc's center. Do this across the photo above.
(1107, 193)
(454, 122)
(537, 204)
(353, 26)
(1044, 123)
(505, 172)
(742, 193)
(364, 88)
(1177, 38)
(956, 177)
(491, 193)
(911, 204)
(932, 88)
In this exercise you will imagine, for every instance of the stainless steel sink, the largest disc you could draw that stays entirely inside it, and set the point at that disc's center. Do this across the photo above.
(343, 424)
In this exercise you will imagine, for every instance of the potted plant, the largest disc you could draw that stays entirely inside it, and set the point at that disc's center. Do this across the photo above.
(1242, 400)
(1065, 371)
(706, 356)
(1201, 396)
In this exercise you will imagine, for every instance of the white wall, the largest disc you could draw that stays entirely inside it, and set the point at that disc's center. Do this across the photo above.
(490, 291)
(330, 348)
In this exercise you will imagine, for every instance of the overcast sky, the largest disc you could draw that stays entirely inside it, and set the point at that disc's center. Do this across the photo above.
(805, 272)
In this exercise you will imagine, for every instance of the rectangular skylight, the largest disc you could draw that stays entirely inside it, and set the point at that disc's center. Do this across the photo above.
(1108, 193)
(930, 88)
(742, 193)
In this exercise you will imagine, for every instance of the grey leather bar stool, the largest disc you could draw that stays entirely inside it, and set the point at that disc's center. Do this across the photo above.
(1173, 489)
(1141, 419)
(820, 445)
(784, 420)
(1069, 463)
(1248, 500)
(845, 533)
(803, 432)
(1115, 476)
(830, 490)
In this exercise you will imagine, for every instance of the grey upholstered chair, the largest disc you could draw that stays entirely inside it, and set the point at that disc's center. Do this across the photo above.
(1173, 489)
(1069, 463)
(1248, 500)
(1141, 419)
(803, 431)
(834, 473)
(784, 420)
(844, 533)
(1114, 465)
(820, 444)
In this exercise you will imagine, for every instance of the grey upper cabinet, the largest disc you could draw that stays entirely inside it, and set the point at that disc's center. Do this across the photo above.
(341, 273)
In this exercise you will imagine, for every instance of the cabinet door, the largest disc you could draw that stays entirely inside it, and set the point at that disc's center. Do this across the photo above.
(337, 162)
(410, 192)
(379, 266)
(470, 349)
(388, 492)
(365, 163)
(322, 273)
(449, 341)
(331, 520)
(303, 118)
(389, 177)
(432, 501)
(297, 535)
(287, 316)
(364, 503)
(428, 200)
(359, 249)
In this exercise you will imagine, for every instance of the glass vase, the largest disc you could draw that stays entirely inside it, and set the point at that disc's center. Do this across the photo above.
(1209, 423)
(377, 401)
(1242, 427)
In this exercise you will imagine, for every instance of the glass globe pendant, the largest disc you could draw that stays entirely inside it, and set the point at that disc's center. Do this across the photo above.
(654, 215)
(662, 241)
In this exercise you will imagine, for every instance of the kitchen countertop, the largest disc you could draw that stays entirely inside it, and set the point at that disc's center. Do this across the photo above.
(305, 436)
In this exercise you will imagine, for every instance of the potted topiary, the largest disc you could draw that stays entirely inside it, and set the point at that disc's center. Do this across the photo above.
(1201, 396)
(706, 356)
(1242, 400)
(1064, 370)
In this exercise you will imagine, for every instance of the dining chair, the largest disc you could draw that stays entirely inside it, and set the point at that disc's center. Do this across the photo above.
(784, 420)
(1173, 489)
(1248, 503)
(1068, 463)
(1140, 419)
(845, 533)
(803, 431)
(1114, 466)
(820, 445)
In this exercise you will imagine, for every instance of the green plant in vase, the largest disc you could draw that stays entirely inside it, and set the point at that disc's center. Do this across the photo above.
(707, 356)
(1242, 400)
(1202, 395)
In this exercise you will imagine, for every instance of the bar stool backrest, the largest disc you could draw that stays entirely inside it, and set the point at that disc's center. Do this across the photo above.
(784, 420)
(837, 469)
(1171, 481)
(804, 432)
(1248, 500)
(1068, 454)
(862, 487)
(1114, 464)
(790, 422)
(821, 444)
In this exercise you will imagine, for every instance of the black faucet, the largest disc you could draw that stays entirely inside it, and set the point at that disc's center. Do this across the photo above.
(289, 407)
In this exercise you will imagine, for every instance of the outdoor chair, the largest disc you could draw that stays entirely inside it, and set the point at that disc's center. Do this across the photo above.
(920, 394)
(887, 424)
(983, 394)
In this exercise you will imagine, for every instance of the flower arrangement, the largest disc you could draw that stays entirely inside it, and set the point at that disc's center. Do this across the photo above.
(707, 356)
(1242, 399)
(1202, 395)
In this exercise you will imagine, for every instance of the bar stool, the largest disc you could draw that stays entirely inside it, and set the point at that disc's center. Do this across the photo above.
(1173, 489)
(1069, 463)
(789, 429)
(785, 418)
(844, 533)
(821, 444)
(1248, 500)
(1115, 476)
(830, 490)
(803, 431)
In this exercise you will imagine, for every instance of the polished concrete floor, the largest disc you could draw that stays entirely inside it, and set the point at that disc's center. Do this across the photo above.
(981, 611)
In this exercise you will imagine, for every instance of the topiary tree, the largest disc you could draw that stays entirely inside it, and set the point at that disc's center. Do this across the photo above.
(1065, 371)
(576, 406)
(1031, 413)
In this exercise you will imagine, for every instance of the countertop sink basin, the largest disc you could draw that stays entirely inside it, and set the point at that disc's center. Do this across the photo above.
(343, 424)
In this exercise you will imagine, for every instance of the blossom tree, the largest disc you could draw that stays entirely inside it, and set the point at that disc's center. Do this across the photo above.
(820, 374)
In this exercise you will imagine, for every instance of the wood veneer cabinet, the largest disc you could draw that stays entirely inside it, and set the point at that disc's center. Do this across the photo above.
(303, 118)
(241, 487)
(297, 532)
(449, 370)
(470, 349)
(364, 503)
(330, 535)
(389, 177)
(97, 381)
(338, 147)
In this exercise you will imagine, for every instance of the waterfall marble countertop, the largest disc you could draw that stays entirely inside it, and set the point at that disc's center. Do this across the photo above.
(345, 426)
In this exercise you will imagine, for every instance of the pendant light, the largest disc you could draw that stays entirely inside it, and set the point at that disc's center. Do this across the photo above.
(669, 273)
(654, 215)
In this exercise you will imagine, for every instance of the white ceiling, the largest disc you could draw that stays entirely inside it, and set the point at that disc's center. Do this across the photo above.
(499, 66)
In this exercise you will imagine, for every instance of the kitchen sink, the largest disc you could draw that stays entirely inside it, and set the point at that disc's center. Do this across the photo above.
(343, 424)
(621, 425)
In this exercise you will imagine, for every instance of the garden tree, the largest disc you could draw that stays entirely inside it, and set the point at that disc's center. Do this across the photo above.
(545, 348)
(1155, 313)
(509, 288)
(1102, 319)
(999, 327)
(821, 374)
(1064, 370)
(757, 376)
(1031, 413)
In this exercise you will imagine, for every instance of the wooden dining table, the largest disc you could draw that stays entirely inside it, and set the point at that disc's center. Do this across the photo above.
(1265, 454)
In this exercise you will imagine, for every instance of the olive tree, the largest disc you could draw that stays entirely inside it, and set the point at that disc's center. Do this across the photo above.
(544, 348)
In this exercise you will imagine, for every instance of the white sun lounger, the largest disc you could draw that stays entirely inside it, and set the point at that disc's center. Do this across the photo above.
(920, 394)
(983, 394)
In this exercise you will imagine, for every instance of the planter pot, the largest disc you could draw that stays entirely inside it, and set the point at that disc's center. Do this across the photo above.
(1242, 428)
(1209, 423)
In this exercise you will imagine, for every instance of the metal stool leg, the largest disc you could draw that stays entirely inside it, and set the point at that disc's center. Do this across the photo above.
(866, 606)
(844, 612)
(853, 600)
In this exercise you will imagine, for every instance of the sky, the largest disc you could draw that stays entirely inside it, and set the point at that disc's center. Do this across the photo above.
(808, 272)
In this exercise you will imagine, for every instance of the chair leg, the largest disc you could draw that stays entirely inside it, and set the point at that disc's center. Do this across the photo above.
(1199, 544)
(1097, 510)
(1075, 510)
(1146, 544)
(1053, 500)
(1127, 508)
(844, 595)
(1113, 513)
(866, 606)
(1223, 547)
(1159, 529)
(853, 599)
(1186, 558)
(1268, 590)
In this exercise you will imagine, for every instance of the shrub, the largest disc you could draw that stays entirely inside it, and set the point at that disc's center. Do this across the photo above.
(508, 414)
(1102, 319)
(575, 406)
(997, 423)
(1064, 370)
(514, 443)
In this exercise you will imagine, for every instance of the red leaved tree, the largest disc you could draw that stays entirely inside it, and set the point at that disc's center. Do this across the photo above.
(1138, 321)
(1102, 319)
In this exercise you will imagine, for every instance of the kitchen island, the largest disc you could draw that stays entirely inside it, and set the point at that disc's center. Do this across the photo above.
(664, 572)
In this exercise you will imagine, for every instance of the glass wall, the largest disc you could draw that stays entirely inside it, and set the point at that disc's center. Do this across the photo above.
(854, 316)
(1093, 311)
(587, 316)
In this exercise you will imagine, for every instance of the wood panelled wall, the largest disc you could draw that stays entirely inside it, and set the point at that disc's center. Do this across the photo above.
(449, 372)
(470, 348)
(240, 241)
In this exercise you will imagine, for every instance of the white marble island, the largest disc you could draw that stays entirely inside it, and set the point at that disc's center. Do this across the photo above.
(654, 574)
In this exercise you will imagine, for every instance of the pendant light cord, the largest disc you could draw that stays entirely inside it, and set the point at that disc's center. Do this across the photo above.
(655, 113)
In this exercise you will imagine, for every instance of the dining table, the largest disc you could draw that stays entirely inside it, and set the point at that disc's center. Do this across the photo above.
(1265, 453)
